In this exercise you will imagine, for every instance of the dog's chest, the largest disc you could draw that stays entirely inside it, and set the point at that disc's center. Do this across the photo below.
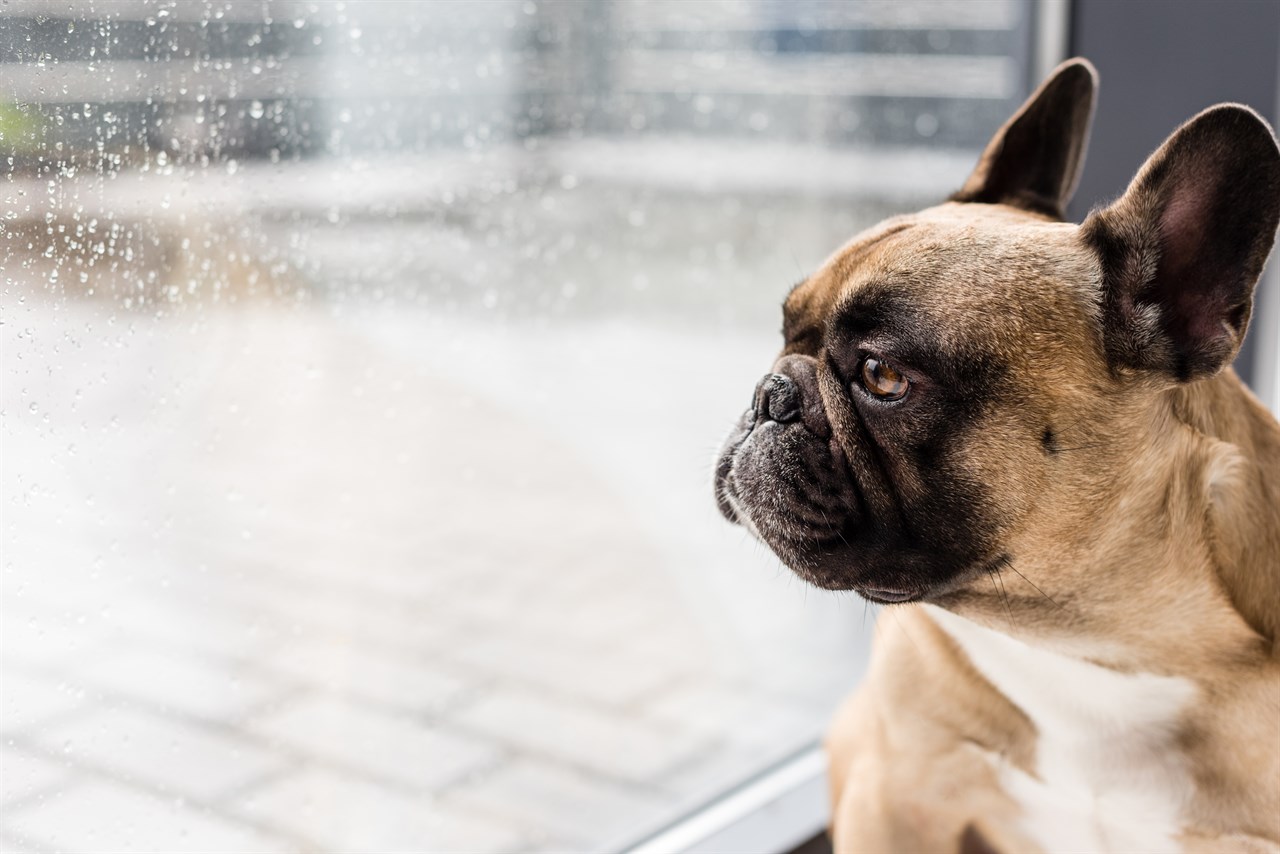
(1109, 775)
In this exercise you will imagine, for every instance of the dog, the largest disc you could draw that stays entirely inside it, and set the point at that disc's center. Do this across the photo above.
(1025, 438)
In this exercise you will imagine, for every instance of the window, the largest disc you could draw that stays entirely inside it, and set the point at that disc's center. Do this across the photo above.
(363, 367)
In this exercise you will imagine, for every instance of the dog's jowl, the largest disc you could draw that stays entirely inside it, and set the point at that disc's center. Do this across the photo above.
(1024, 436)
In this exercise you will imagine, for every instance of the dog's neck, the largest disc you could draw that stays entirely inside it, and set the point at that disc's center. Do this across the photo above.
(1244, 518)
(1179, 572)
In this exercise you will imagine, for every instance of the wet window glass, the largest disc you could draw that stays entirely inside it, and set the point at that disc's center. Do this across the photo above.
(363, 368)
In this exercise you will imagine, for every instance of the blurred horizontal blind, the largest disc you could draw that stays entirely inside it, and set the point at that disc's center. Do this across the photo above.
(280, 79)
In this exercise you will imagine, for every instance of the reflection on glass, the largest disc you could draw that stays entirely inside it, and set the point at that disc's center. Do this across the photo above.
(363, 368)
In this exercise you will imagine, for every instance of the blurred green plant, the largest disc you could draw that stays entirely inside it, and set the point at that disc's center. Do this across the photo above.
(19, 129)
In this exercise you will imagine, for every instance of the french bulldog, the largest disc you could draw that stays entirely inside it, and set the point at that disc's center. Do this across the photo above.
(1024, 436)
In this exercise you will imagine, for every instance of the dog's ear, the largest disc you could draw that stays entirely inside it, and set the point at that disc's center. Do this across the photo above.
(1182, 249)
(1034, 161)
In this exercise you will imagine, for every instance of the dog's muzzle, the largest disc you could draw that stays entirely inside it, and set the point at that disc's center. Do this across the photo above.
(782, 476)
(829, 510)
(776, 399)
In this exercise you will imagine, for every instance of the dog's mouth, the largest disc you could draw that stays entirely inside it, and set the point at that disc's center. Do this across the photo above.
(795, 490)
(889, 597)
(784, 484)
(789, 489)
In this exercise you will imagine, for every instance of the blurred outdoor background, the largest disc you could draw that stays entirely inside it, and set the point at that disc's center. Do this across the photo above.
(363, 366)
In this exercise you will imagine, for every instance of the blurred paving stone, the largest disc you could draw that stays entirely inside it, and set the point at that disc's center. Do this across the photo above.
(42, 633)
(611, 744)
(586, 810)
(157, 753)
(341, 814)
(317, 612)
(736, 715)
(23, 775)
(354, 671)
(572, 668)
(104, 817)
(421, 756)
(414, 570)
(25, 700)
(189, 684)
(208, 626)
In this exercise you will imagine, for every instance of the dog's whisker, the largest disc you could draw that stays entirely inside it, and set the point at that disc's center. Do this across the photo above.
(1001, 593)
(1009, 564)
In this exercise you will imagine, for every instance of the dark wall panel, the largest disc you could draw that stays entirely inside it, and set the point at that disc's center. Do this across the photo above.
(1162, 61)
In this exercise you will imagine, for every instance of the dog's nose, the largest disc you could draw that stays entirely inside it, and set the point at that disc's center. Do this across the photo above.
(777, 399)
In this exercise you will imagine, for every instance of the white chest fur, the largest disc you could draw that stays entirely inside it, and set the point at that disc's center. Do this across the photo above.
(1110, 777)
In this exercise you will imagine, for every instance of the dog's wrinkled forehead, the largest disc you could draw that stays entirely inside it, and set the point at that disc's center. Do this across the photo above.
(972, 276)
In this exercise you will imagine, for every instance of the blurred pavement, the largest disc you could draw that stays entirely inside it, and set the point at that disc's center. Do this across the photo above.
(276, 579)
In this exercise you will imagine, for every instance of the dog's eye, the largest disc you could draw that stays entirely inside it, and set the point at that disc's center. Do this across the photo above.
(882, 380)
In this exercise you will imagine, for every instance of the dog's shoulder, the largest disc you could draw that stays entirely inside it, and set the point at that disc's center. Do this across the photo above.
(931, 754)
(916, 753)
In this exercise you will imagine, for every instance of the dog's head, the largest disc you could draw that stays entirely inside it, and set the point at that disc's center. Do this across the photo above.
(946, 374)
